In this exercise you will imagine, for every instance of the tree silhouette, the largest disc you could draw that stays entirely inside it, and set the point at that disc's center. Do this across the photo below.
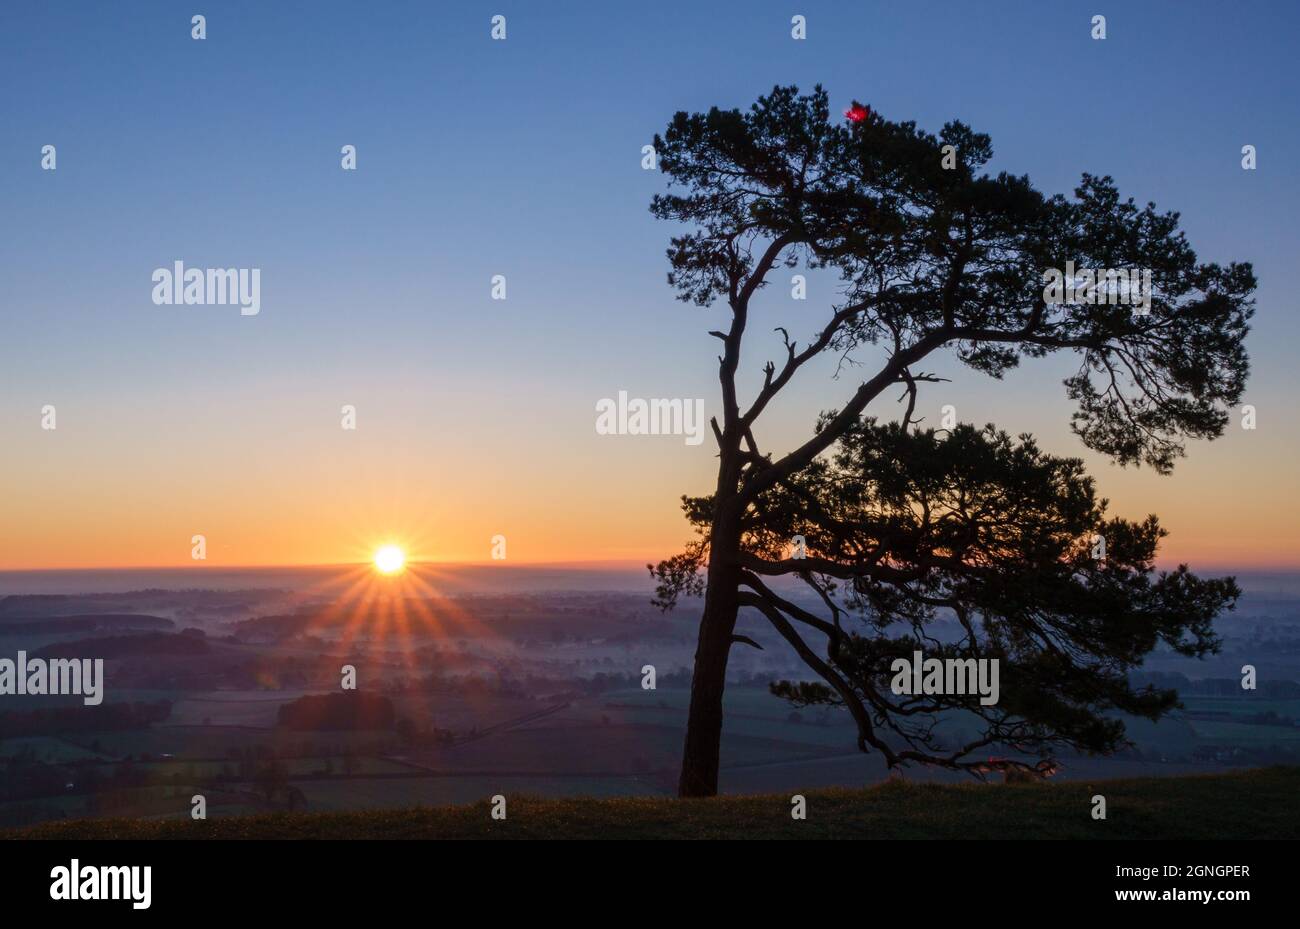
(902, 525)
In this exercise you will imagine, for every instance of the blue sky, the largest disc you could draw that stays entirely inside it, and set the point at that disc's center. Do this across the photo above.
(522, 158)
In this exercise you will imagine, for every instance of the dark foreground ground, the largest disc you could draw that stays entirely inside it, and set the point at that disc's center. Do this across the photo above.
(1261, 803)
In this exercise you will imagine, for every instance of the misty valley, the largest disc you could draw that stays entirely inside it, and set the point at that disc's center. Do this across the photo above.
(235, 696)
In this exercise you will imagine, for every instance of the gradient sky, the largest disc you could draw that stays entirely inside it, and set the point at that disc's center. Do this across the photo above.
(522, 158)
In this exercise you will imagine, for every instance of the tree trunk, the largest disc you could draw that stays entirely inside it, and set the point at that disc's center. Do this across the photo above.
(704, 721)
(704, 724)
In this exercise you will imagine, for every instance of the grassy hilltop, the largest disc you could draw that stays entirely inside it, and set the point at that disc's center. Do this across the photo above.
(1245, 805)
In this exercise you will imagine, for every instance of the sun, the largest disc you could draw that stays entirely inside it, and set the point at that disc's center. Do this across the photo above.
(390, 559)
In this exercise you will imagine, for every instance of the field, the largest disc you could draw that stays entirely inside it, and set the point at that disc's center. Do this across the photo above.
(539, 696)
(378, 794)
(621, 743)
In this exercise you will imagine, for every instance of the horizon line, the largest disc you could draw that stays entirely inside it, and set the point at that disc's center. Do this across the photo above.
(612, 564)
(588, 564)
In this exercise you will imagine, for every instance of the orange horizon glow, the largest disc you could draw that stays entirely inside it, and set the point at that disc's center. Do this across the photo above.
(367, 564)
(364, 564)
(585, 502)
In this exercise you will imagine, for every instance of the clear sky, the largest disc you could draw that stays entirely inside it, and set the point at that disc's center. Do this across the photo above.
(522, 158)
